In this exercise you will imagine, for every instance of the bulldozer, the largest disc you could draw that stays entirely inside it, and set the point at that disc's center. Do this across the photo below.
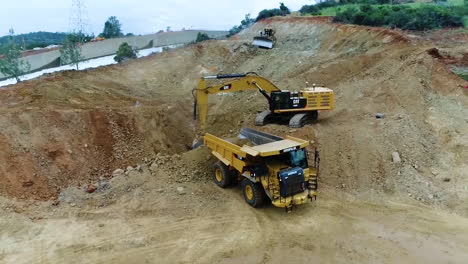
(266, 39)
(267, 166)
(298, 108)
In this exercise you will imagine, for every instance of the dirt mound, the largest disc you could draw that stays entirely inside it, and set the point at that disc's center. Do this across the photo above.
(45, 150)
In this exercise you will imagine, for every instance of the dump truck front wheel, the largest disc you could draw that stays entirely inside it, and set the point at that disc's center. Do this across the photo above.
(254, 194)
(222, 176)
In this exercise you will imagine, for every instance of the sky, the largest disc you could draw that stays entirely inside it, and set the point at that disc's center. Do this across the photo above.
(136, 16)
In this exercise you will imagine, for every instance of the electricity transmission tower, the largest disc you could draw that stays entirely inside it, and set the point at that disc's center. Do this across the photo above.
(78, 17)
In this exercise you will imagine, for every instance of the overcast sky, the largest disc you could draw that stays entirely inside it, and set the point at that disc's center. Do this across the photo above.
(136, 16)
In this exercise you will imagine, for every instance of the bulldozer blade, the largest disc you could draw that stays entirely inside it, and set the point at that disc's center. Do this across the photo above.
(263, 42)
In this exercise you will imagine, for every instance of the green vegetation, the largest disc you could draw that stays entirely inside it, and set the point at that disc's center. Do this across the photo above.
(266, 13)
(11, 63)
(125, 52)
(412, 16)
(33, 40)
(70, 52)
(202, 37)
(464, 76)
(248, 21)
(404, 17)
(112, 28)
(462, 72)
(245, 23)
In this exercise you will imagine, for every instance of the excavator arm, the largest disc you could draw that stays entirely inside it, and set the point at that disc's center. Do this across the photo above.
(241, 82)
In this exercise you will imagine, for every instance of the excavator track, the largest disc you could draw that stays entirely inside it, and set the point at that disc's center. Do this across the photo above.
(262, 118)
(299, 120)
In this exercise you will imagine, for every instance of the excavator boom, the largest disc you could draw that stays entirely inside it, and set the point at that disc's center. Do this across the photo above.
(241, 82)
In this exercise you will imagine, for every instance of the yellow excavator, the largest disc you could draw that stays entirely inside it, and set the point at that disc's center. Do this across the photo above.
(299, 108)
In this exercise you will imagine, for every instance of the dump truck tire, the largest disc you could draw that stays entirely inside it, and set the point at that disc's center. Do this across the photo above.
(222, 176)
(254, 194)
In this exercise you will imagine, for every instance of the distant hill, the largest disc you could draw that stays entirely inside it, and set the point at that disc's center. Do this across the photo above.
(35, 39)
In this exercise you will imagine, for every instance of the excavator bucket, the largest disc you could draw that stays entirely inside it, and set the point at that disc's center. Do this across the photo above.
(263, 42)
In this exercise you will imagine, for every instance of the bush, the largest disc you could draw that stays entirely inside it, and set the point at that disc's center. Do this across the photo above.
(245, 23)
(423, 18)
(328, 4)
(266, 13)
(11, 64)
(125, 52)
(202, 37)
(309, 9)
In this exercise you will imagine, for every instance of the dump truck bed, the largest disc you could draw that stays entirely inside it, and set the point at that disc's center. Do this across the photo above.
(273, 148)
(234, 155)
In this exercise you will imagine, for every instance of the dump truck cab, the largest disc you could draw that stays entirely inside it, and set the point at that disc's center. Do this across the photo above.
(277, 166)
(283, 171)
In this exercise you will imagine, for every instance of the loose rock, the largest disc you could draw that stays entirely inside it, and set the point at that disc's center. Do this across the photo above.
(181, 190)
(396, 157)
(153, 167)
(118, 172)
(91, 189)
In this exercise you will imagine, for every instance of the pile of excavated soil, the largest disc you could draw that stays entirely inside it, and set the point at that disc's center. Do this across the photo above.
(48, 145)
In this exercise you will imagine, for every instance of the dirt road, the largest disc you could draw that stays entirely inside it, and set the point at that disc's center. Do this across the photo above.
(338, 228)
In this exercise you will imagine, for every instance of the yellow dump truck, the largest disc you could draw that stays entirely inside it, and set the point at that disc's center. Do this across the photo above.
(267, 166)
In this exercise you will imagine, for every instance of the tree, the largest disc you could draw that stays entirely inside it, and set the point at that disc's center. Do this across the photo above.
(284, 9)
(245, 23)
(266, 13)
(70, 52)
(12, 64)
(309, 9)
(202, 37)
(112, 28)
(125, 52)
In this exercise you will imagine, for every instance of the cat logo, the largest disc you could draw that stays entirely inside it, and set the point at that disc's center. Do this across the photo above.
(225, 87)
(288, 149)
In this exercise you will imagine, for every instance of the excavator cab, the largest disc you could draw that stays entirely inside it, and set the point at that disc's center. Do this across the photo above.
(281, 100)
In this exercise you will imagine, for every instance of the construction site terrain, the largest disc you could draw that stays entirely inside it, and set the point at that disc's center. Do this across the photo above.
(96, 166)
